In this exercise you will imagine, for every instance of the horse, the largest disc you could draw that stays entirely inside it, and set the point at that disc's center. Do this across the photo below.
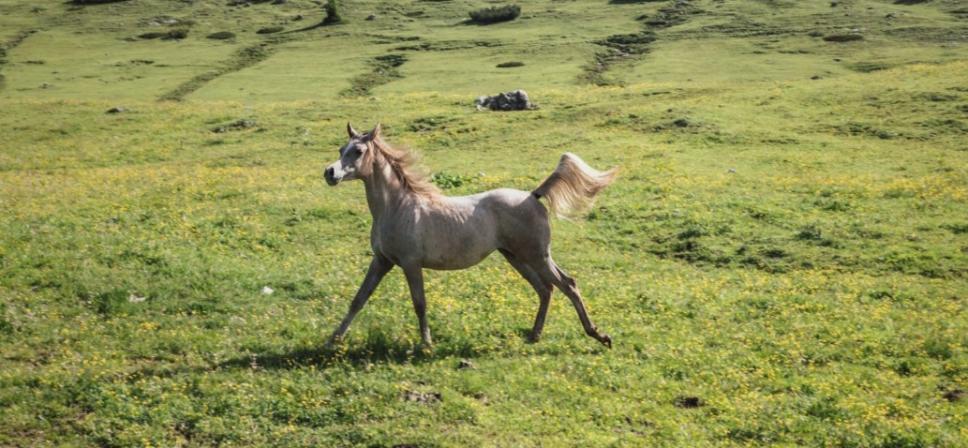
(417, 227)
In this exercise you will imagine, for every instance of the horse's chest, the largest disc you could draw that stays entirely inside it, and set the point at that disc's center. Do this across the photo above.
(391, 241)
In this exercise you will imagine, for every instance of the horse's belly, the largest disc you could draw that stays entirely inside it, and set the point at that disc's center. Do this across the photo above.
(454, 261)
(456, 249)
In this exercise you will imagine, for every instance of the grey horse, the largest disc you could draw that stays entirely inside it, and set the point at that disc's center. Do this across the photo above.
(417, 227)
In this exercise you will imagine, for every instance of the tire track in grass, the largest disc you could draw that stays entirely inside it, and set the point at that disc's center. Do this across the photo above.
(621, 47)
(10, 45)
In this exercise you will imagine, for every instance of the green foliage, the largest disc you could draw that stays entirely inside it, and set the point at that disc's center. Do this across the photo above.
(448, 181)
(495, 14)
(332, 9)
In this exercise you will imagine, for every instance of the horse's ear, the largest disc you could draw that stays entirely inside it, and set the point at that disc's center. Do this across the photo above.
(352, 132)
(377, 131)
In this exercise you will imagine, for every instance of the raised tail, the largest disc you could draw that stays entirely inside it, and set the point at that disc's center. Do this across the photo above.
(572, 187)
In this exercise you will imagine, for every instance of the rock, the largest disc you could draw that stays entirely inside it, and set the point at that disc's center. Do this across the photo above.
(267, 291)
(297, 17)
(815, 77)
(371, 17)
(134, 298)
(116, 110)
(681, 123)
(465, 364)
(422, 397)
(515, 100)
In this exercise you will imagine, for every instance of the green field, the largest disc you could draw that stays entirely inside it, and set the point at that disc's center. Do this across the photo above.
(782, 262)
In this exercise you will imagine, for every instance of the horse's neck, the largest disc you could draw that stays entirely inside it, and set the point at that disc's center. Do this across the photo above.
(383, 191)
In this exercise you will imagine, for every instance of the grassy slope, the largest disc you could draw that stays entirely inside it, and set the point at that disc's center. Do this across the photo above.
(795, 257)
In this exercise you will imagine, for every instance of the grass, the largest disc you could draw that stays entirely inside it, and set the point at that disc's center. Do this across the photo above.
(783, 260)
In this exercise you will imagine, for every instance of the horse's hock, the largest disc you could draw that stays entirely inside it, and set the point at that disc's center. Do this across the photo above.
(514, 100)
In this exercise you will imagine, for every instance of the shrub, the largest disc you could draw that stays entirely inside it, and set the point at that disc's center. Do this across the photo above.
(220, 35)
(495, 14)
(332, 12)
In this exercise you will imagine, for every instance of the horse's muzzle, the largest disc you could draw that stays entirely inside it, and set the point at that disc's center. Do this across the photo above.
(330, 176)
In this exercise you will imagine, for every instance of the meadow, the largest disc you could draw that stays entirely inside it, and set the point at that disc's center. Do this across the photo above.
(782, 262)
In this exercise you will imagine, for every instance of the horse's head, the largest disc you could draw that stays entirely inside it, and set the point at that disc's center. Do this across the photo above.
(353, 157)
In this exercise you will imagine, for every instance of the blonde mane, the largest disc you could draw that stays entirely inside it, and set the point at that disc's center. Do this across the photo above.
(405, 167)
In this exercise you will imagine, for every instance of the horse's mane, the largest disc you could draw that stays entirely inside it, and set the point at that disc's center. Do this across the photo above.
(405, 166)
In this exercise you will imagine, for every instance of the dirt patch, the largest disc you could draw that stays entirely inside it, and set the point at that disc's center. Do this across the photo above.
(385, 69)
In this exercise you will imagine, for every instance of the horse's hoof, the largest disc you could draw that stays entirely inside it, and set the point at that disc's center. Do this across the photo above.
(333, 344)
(605, 340)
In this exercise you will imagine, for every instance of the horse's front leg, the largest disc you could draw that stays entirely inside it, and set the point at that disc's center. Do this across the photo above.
(415, 280)
(379, 267)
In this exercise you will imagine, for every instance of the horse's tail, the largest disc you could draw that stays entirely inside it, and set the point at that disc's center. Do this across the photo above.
(572, 187)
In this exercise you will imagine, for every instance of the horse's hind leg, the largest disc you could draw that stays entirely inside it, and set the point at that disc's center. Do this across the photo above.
(550, 272)
(542, 288)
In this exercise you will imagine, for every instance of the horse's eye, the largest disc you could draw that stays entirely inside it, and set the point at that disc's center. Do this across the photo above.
(357, 150)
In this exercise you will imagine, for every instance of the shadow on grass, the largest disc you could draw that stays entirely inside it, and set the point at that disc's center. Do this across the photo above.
(374, 349)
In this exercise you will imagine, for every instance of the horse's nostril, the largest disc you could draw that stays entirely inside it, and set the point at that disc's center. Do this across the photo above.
(329, 172)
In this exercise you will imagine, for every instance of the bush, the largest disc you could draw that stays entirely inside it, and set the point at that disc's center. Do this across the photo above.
(332, 12)
(495, 14)
(221, 35)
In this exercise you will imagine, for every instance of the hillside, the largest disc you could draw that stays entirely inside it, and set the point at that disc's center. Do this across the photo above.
(783, 260)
